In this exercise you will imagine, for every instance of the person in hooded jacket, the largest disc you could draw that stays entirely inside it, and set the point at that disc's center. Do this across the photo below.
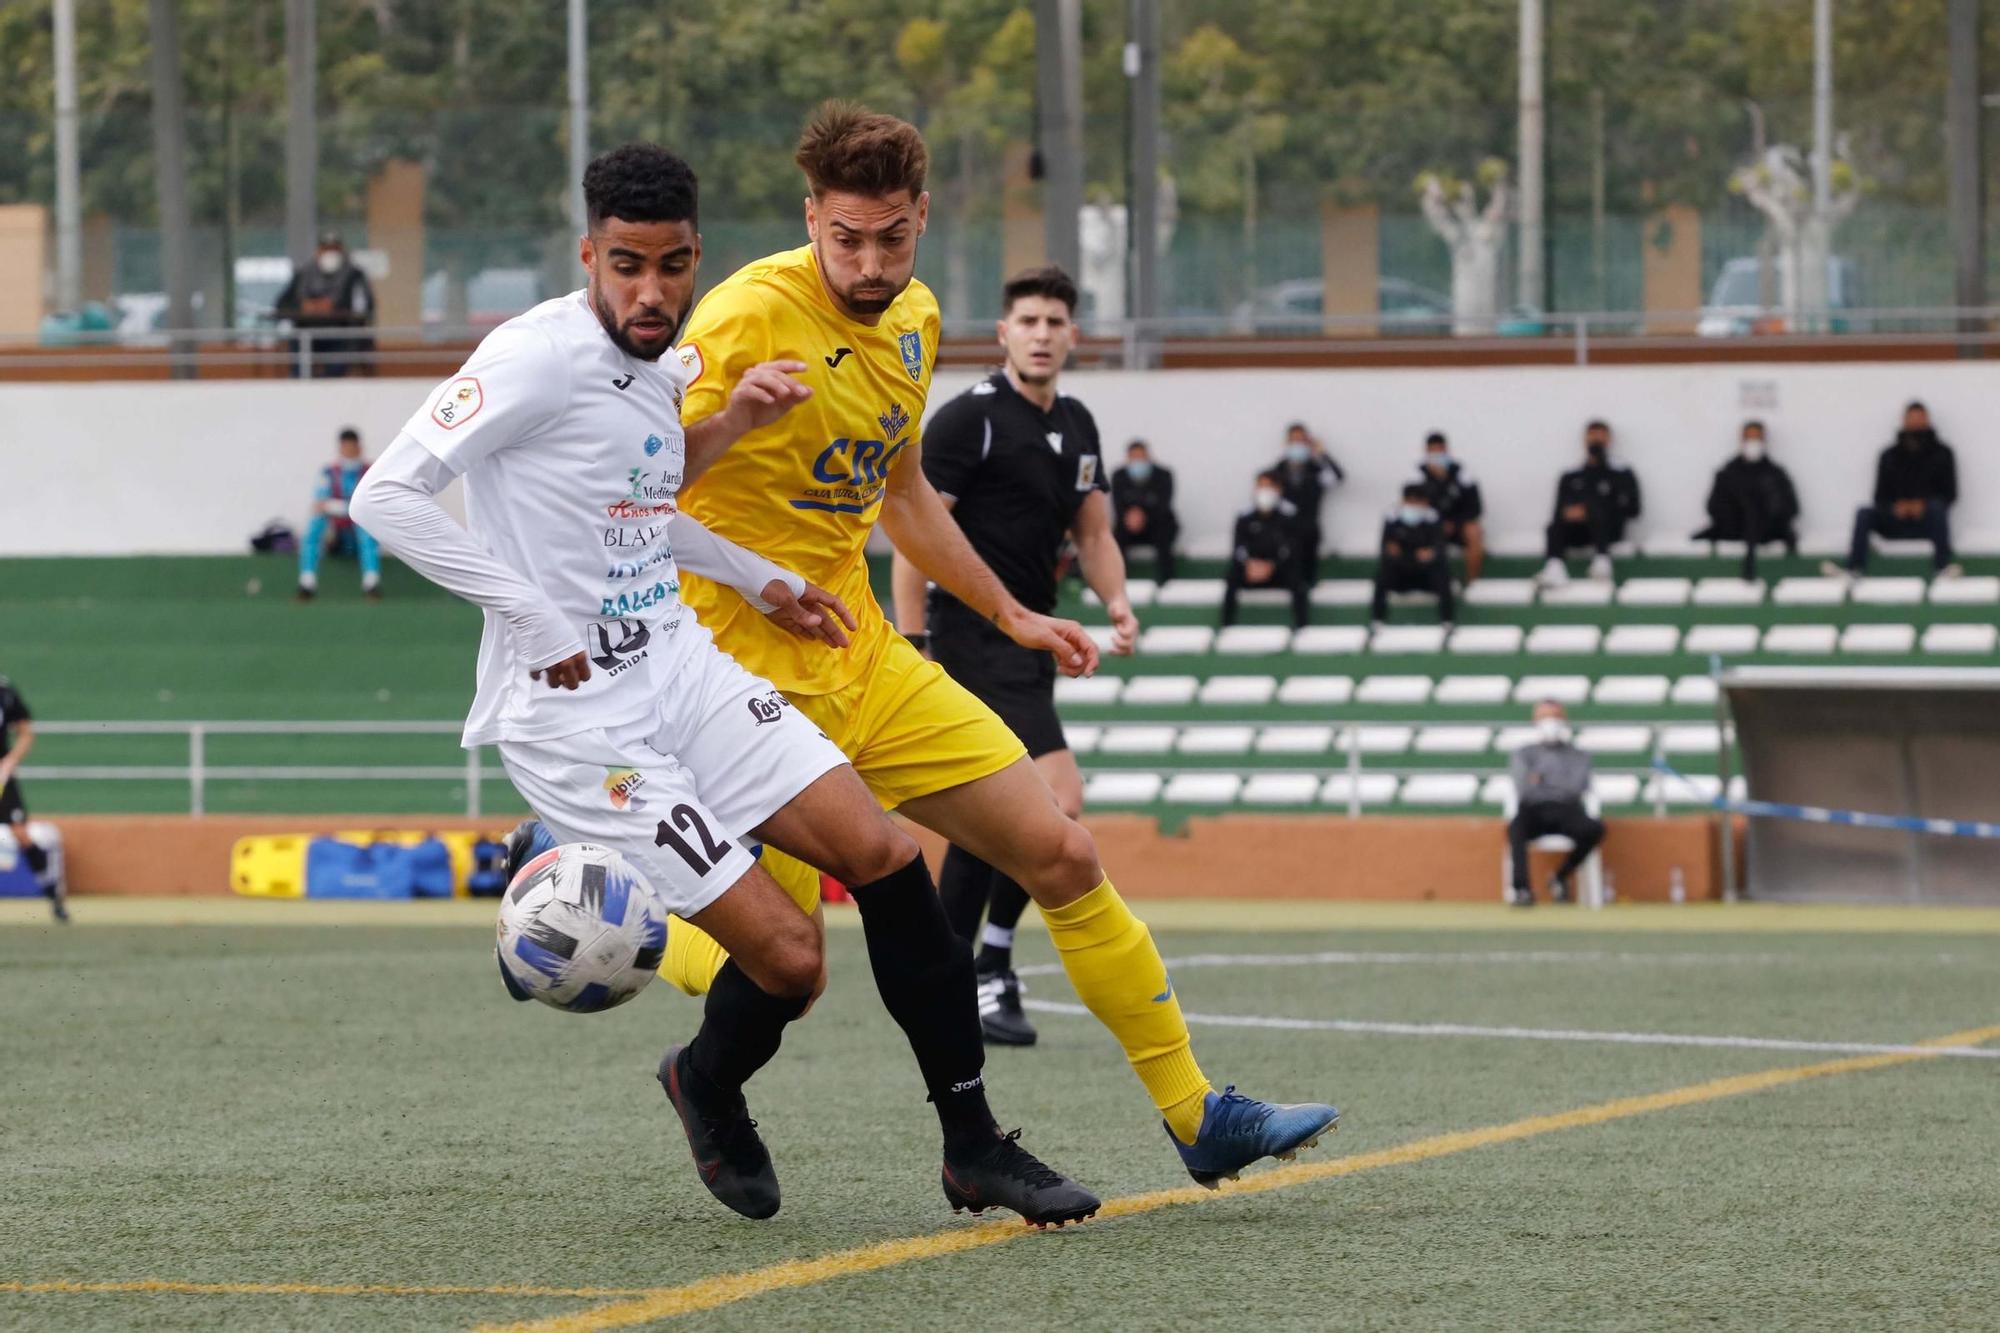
(1752, 501)
(1916, 484)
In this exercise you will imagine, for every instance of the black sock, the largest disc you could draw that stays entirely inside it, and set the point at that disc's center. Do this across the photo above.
(37, 859)
(741, 1027)
(1009, 901)
(964, 883)
(924, 973)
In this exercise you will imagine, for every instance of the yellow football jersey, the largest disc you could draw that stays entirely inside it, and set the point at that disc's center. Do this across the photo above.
(806, 491)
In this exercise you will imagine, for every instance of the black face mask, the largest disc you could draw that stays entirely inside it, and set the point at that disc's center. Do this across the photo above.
(1916, 439)
(1595, 452)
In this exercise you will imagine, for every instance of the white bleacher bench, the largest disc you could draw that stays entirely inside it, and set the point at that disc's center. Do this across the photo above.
(1501, 592)
(1472, 690)
(1809, 592)
(1454, 740)
(1567, 640)
(1215, 740)
(1801, 639)
(1496, 790)
(1685, 790)
(1589, 875)
(1486, 640)
(1331, 640)
(1615, 788)
(1654, 592)
(1878, 639)
(1888, 592)
(1139, 738)
(1316, 691)
(1580, 592)
(1253, 640)
(1376, 739)
(1370, 788)
(1181, 639)
(1393, 690)
(1160, 691)
(1691, 738)
(1440, 789)
(1631, 691)
(1082, 738)
(1103, 636)
(1509, 739)
(1139, 592)
(1280, 789)
(1563, 689)
(1342, 592)
(1294, 740)
(1728, 640)
(1264, 597)
(1408, 639)
(1643, 640)
(1088, 689)
(1615, 738)
(1202, 788)
(1979, 590)
(1238, 689)
(1121, 788)
(1960, 639)
(1190, 592)
(1729, 591)
(1695, 690)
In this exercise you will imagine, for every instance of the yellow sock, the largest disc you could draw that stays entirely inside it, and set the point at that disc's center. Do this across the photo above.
(1112, 962)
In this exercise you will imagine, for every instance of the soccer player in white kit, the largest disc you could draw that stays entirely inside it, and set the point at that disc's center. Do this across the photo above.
(620, 721)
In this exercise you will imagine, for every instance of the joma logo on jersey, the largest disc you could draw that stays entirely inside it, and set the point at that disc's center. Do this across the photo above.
(630, 603)
(620, 783)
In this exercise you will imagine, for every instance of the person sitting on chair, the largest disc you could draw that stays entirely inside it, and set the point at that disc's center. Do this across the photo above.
(1414, 556)
(331, 526)
(1916, 484)
(1551, 778)
(1266, 552)
(1142, 508)
(1752, 501)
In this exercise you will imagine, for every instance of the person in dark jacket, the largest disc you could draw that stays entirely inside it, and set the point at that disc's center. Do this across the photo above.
(1593, 505)
(1415, 556)
(1916, 484)
(330, 292)
(1306, 475)
(1752, 501)
(1451, 491)
(1142, 505)
(1551, 778)
(1266, 552)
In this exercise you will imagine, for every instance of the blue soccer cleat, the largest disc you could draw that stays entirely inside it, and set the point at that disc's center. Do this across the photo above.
(1238, 1130)
(529, 839)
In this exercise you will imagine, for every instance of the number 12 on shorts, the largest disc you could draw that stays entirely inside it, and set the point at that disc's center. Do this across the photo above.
(688, 820)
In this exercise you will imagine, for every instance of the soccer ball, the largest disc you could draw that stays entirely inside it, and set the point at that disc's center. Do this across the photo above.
(579, 929)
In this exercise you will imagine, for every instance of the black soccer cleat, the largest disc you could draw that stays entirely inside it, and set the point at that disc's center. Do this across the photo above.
(1001, 1019)
(1558, 889)
(1520, 897)
(728, 1156)
(1006, 1175)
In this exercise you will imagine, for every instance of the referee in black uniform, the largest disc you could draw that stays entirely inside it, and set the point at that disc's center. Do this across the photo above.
(17, 736)
(1021, 468)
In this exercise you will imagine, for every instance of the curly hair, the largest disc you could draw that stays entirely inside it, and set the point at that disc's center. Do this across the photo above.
(847, 147)
(639, 182)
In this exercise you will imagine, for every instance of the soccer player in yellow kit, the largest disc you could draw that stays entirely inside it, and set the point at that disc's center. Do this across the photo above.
(806, 493)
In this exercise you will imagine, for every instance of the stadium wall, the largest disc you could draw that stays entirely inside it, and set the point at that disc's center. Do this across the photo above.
(194, 468)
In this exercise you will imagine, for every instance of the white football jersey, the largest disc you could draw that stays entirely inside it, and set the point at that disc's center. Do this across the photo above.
(572, 456)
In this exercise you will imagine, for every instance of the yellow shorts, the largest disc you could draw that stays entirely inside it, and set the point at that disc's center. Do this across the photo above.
(910, 730)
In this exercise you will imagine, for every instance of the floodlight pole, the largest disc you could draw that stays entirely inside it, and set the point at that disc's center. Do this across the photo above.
(1059, 101)
(1531, 285)
(579, 111)
(1142, 232)
(69, 190)
(301, 129)
(1966, 192)
(170, 178)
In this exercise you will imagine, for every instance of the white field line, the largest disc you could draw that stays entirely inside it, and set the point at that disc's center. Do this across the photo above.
(1353, 957)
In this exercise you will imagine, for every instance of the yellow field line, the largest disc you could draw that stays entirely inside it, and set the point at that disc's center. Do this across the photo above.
(708, 1293)
(309, 1289)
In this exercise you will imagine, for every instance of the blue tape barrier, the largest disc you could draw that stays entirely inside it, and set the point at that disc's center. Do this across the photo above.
(1816, 814)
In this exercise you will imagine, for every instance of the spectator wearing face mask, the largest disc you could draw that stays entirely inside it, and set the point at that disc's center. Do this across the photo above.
(1142, 498)
(1593, 505)
(1551, 777)
(1306, 475)
(1916, 484)
(1414, 555)
(1752, 501)
(329, 292)
(1266, 553)
(1451, 491)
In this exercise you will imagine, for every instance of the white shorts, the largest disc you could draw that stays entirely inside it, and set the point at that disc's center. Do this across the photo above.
(676, 790)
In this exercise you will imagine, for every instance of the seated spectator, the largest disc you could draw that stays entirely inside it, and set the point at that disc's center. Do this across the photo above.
(1593, 505)
(1415, 556)
(1451, 491)
(1916, 484)
(1752, 501)
(330, 293)
(1551, 777)
(1142, 497)
(332, 529)
(1266, 551)
(1306, 475)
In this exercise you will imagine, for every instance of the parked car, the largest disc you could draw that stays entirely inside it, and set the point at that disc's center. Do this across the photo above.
(1734, 310)
(492, 296)
(1297, 305)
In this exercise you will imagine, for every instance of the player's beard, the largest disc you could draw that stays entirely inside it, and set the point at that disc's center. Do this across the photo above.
(876, 302)
(620, 333)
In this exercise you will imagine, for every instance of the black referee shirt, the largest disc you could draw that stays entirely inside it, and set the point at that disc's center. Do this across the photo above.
(13, 709)
(1018, 475)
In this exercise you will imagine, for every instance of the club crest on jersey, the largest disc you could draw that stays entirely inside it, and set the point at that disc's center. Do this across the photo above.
(690, 355)
(895, 421)
(1086, 472)
(912, 347)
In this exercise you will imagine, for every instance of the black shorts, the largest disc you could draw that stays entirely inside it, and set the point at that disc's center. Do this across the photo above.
(13, 810)
(1017, 683)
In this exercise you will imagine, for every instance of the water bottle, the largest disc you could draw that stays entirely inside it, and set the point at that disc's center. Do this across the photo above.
(1677, 889)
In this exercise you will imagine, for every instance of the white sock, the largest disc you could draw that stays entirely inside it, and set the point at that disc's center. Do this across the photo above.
(1000, 937)
(370, 582)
